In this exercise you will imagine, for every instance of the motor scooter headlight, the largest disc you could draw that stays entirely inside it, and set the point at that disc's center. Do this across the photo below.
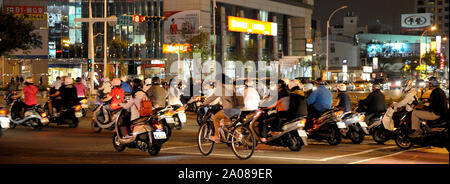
(3, 112)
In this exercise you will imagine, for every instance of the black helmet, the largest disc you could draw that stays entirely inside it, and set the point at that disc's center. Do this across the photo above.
(78, 79)
(433, 82)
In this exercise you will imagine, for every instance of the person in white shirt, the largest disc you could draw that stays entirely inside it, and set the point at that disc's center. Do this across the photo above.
(251, 96)
(174, 93)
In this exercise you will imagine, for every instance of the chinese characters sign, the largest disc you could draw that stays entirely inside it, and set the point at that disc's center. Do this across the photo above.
(416, 22)
(27, 12)
(174, 48)
(239, 24)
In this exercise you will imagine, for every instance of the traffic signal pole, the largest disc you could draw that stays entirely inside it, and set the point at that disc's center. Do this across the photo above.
(91, 49)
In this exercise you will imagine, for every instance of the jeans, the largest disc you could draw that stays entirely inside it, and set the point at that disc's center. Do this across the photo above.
(418, 115)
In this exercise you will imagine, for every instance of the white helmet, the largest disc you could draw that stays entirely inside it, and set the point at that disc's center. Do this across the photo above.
(68, 81)
(341, 87)
(124, 78)
(309, 86)
(407, 85)
(106, 79)
(116, 82)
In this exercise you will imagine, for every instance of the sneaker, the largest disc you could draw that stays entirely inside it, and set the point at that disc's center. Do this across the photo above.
(263, 140)
(416, 134)
(215, 139)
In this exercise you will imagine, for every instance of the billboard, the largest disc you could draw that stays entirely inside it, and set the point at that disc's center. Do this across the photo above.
(27, 12)
(180, 25)
(175, 48)
(244, 25)
(416, 22)
(393, 49)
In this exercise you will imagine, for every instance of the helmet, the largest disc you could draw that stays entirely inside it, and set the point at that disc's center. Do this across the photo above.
(341, 87)
(407, 85)
(116, 82)
(78, 79)
(29, 80)
(106, 79)
(309, 86)
(148, 81)
(293, 83)
(68, 81)
(156, 80)
(433, 82)
(123, 78)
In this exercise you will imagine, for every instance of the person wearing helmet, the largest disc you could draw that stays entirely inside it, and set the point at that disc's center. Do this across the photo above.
(438, 106)
(116, 96)
(396, 110)
(29, 92)
(308, 89)
(375, 102)
(147, 84)
(320, 100)
(81, 89)
(342, 99)
(69, 97)
(157, 93)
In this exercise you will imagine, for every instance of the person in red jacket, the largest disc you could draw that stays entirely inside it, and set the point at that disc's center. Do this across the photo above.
(29, 92)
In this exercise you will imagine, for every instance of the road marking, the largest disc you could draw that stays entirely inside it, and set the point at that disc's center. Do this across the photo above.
(178, 147)
(393, 154)
(352, 154)
(253, 156)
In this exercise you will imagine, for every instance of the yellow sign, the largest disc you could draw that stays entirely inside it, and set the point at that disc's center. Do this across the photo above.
(239, 24)
(174, 48)
(31, 16)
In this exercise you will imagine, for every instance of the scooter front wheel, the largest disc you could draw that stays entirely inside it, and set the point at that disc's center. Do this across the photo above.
(95, 128)
(379, 135)
(403, 141)
(116, 143)
(335, 137)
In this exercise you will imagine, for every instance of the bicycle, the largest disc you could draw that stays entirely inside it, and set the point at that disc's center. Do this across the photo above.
(238, 136)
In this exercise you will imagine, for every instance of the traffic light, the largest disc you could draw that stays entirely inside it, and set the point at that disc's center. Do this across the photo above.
(89, 65)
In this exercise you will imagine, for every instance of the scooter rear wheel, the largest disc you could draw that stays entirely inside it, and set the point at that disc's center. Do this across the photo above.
(95, 128)
(379, 135)
(335, 137)
(297, 142)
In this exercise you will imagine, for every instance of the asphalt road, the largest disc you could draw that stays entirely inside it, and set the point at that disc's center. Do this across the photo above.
(63, 145)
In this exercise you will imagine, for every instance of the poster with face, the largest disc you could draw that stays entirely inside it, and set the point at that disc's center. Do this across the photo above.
(181, 25)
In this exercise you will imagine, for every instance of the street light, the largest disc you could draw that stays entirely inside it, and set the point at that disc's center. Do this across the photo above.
(420, 49)
(328, 27)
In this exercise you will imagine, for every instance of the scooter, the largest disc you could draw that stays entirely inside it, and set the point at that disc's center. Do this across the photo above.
(356, 128)
(147, 134)
(292, 136)
(193, 103)
(98, 119)
(34, 117)
(67, 115)
(435, 133)
(84, 105)
(205, 113)
(325, 127)
(4, 120)
(179, 116)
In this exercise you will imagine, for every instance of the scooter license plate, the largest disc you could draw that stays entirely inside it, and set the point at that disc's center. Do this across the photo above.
(78, 114)
(182, 117)
(341, 125)
(170, 120)
(160, 135)
(4, 121)
(84, 106)
(302, 133)
(44, 120)
(363, 124)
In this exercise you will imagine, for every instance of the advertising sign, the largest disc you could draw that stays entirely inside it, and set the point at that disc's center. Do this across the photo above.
(393, 49)
(174, 48)
(416, 22)
(244, 25)
(27, 12)
(180, 25)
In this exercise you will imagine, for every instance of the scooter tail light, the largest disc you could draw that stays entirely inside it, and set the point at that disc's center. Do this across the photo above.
(180, 109)
(78, 108)
(197, 99)
(83, 101)
(3, 112)
(362, 118)
(168, 113)
(339, 113)
(44, 115)
(158, 126)
(301, 123)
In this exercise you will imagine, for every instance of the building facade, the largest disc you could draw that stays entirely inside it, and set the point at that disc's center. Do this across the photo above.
(440, 11)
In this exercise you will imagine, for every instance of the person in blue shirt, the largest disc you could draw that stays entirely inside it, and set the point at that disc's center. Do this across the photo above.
(125, 86)
(320, 100)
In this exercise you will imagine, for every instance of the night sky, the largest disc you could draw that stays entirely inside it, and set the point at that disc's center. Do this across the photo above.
(386, 11)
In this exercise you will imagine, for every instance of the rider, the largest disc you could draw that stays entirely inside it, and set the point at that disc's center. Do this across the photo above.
(438, 107)
(68, 93)
(29, 92)
(320, 100)
(157, 94)
(125, 86)
(375, 102)
(343, 100)
(116, 96)
(308, 89)
(409, 97)
(231, 103)
(81, 89)
(134, 105)
(174, 93)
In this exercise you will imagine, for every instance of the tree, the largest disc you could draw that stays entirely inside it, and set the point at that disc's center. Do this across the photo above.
(17, 34)
(117, 46)
(431, 59)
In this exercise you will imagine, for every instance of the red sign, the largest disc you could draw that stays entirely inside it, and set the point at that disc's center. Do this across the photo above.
(442, 65)
(154, 65)
(24, 9)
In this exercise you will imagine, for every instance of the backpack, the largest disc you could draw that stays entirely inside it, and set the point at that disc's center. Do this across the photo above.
(146, 107)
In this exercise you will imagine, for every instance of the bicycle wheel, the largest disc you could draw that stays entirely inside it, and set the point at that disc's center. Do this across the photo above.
(205, 145)
(243, 142)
